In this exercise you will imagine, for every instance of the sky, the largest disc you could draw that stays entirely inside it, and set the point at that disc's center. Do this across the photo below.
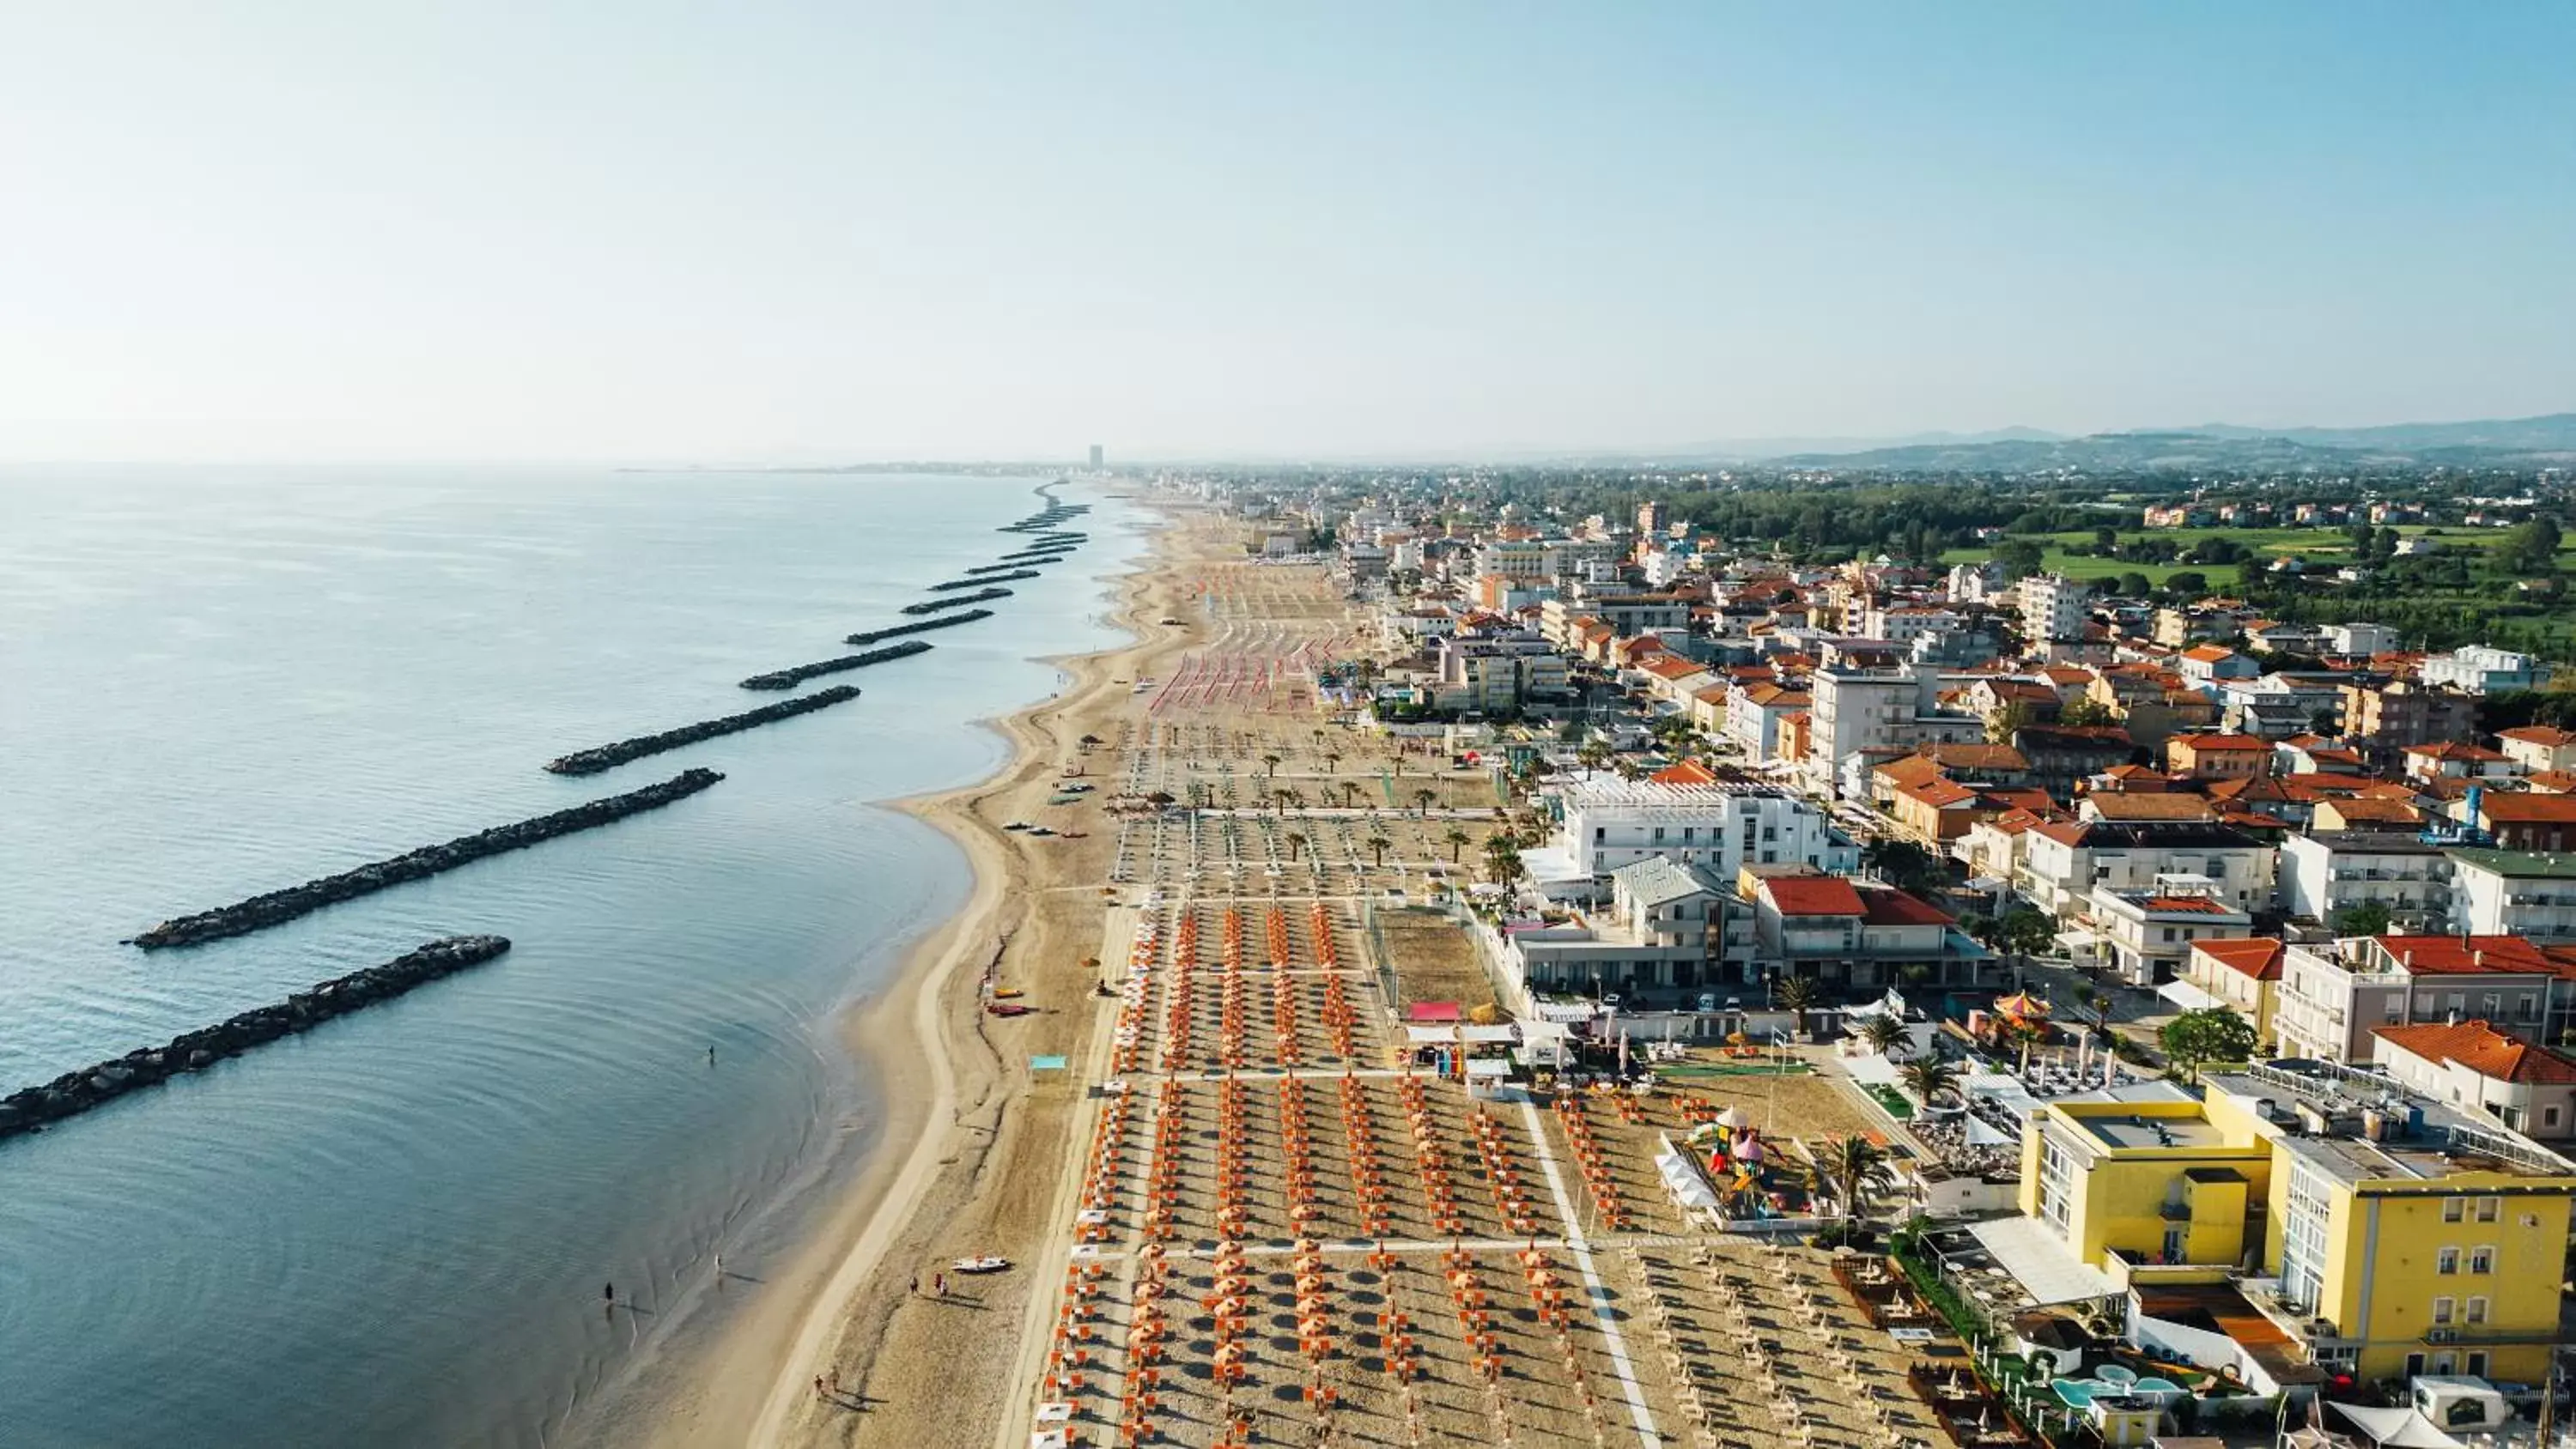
(638, 232)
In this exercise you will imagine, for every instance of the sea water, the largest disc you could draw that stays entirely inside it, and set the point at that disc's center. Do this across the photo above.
(398, 1228)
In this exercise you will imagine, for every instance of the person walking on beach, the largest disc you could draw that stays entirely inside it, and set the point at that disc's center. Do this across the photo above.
(818, 1387)
(938, 1285)
(915, 1289)
(833, 1380)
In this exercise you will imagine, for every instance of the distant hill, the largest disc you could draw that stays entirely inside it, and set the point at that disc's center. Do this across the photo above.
(2550, 439)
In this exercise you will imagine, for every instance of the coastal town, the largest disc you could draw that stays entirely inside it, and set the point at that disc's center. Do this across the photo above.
(1577, 979)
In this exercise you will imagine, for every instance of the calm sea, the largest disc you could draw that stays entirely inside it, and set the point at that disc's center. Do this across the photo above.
(395, 1230)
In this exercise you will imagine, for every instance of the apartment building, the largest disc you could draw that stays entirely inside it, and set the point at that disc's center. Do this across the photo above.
(2483, 1070)
(2062, 864)
(1858, 707)
(2052, 608)
(2327, 873)
(2145, 936)
(2386, 1235)
(2513, 893)
(1720, 828)
(2332, 997)
(2479, 669)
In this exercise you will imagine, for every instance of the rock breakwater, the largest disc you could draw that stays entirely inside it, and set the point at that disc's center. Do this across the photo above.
(897, 631)
(790, 678)
(971, 581)
(592, 761)
(73, 1093)
(279, 906)
(1036, 556)
(933, 606)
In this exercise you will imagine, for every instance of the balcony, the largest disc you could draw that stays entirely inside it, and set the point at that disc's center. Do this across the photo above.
(2174, 1212)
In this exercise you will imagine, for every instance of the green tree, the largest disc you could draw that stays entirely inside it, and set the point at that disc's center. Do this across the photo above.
(1457, 840)
(1852, 1169)
(1502, 860)
(2370, 918)
(1377, 845)
(2020, 557)
(2532, 547)
(2135, 585)
(1903, 864)
(2212, 1034)
(2001, 725)
(2030, 932)
(1883, 1032)
(1796, 995)
(2086, 712)
(1296, 844)
(1270, 764)
(2187, 584)
(1929, 1078)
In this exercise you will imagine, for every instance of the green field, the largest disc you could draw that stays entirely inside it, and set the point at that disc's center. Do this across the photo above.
(2330, 546)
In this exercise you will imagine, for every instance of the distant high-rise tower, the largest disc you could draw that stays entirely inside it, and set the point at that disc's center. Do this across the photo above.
(1095, 457)
(1650, 516)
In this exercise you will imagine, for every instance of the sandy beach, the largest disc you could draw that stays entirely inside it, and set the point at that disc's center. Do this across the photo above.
(968, 1161)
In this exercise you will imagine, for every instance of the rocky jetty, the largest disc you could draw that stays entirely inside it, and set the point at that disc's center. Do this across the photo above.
(1046, 518)
(933, 606)
(1054, 540)
(1036, 556)
(592, 761)
(970, 581)
(897, 631)
(1012, 568)
(73, 1093)
(262, 911)
(790, 678)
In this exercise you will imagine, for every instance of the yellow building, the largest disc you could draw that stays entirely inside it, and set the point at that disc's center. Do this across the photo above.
(2154, 1182)
(2404, 1238)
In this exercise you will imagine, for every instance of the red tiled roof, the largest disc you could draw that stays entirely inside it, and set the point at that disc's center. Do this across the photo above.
(1938, 793)
(2527, 808)
(1888, 906)
(2186, 906)
(2544, 735)
(2463, 955)
(1685, 772)
(2257, 956)
(2208, 653)
(2222, 744)
(2374, 810)
(2483, 1050)
(1813, 895)
(2148, 805)
(2454, 750)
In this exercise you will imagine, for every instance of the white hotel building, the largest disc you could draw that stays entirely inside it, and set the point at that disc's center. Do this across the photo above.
(1609, 823)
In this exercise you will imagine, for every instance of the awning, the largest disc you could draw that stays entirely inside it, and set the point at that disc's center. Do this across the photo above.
(2187, 996)
(2078, 939)
(2398, 1428)
(2046, 1268)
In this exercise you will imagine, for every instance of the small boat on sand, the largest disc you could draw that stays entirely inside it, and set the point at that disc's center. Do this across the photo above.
(1008, 1008)
(979, 1265)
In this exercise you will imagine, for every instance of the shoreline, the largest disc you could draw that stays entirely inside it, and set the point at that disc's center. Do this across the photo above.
(924, 1052)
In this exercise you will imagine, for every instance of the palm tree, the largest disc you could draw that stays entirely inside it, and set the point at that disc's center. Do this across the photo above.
(1883, 1032)
(1348, 788)
(1457, 839)
(1296, 843)
(1270, 763)
(1423, 800)
(1502, 859)
(1279, 803)
(1630, 770)
(1377, 845)
(1851, 1168)
(1332, 761)
(1797, 995)
(1930, 1077)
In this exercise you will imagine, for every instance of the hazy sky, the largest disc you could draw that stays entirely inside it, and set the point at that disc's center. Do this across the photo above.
(356, 229)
